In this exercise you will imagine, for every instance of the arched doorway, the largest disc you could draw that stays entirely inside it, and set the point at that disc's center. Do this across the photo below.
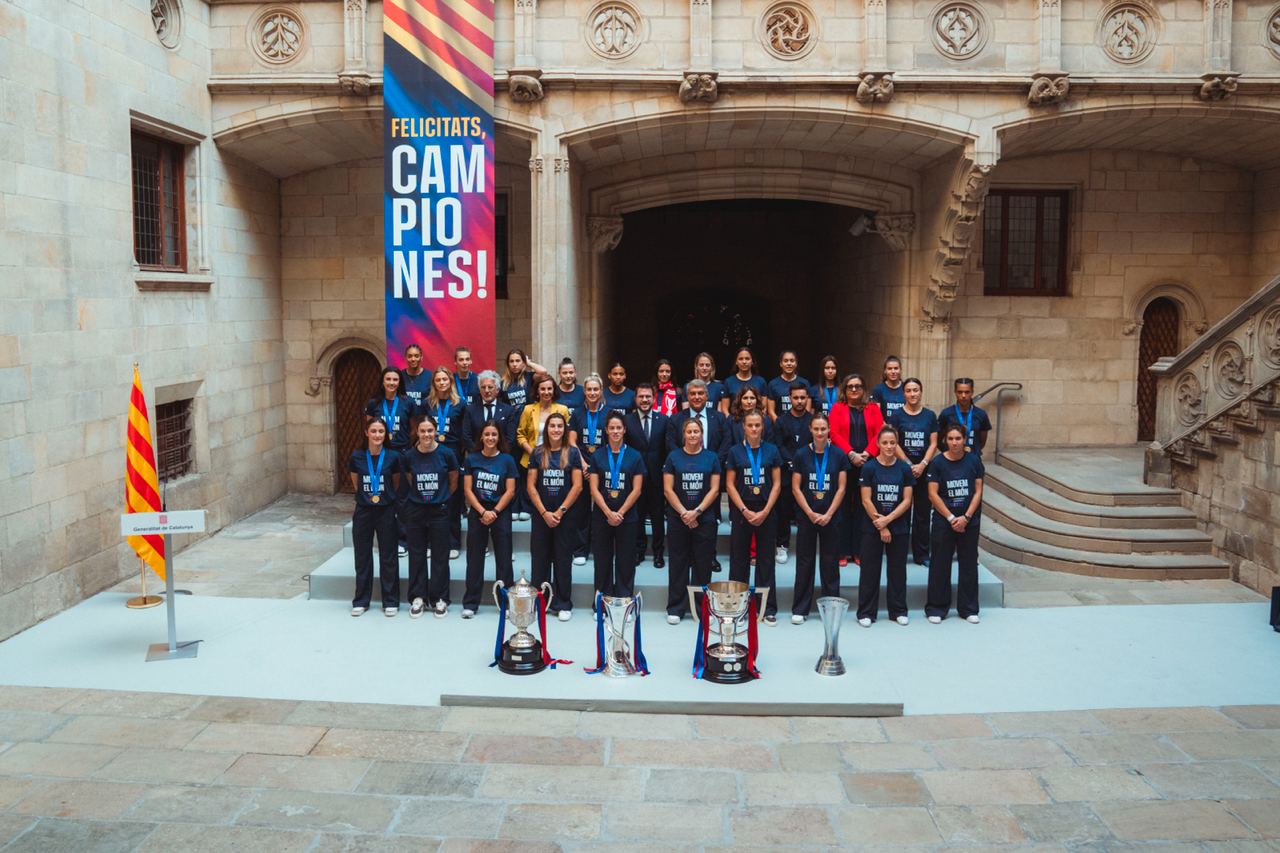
(355, 378)
(1160, 322)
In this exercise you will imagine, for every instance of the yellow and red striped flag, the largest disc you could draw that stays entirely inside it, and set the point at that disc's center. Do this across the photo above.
(141, 485)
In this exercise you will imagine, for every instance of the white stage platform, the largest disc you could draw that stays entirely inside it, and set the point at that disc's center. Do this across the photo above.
(1016, 660)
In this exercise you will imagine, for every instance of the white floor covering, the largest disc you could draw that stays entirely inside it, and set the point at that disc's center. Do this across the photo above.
(1016, 660)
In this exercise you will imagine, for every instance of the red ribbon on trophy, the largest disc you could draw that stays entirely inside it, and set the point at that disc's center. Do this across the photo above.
(542, 631)
(753, 639)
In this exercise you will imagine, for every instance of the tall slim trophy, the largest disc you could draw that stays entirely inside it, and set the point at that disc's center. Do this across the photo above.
(832, 610)
(522, 604)
(730, 604)
(615, 657)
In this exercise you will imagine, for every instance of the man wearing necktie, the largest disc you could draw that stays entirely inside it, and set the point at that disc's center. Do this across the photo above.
(487, 407)
(647, 433)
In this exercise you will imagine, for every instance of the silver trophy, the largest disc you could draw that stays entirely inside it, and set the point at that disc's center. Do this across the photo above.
(619, 617)
(729, 602)
(522, 652)
(832, 611)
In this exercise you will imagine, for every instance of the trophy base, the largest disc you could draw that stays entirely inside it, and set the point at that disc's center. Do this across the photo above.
(525, 661)
(830, 666)
(732, 670)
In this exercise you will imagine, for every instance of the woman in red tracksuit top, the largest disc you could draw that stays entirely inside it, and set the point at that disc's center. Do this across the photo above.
(855, 423)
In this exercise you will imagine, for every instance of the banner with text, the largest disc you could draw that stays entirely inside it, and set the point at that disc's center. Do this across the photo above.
(438, 178)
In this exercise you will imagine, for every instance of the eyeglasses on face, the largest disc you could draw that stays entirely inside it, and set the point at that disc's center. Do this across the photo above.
(852, 385)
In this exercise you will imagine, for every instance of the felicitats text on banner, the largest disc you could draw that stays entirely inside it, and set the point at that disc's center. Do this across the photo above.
(438, 178)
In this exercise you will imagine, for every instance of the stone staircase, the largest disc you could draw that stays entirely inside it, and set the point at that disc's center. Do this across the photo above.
(1036, 516)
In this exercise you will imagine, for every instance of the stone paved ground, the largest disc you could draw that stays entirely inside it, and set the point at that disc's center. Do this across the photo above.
(268, 555)
(84, 770)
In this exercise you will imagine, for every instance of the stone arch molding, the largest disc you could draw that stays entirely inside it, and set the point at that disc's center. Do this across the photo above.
(1194, 316)
(322, 371)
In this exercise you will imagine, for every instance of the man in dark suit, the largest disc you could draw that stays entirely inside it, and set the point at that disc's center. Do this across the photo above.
(647, 433)
(716, 435)
(487, 407)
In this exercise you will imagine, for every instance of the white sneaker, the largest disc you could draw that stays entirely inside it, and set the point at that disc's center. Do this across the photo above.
(453, 554)
(358, 611)
(390, 612)
(972, 619)
(672, 619)
(579, 561)
(797, 619)
(522, 516)
(566, 615)
(934, 620)
(864, 622)
(467, 614)
(780, 556)
(416, 608)
(902, 620)
(442, 609)
(402, 551)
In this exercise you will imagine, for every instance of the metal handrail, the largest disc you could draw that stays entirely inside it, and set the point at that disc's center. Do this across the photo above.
(1000, 388)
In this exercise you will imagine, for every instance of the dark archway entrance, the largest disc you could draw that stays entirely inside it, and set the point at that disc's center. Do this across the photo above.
(355, 379)
(717, 275)
(1160, 322)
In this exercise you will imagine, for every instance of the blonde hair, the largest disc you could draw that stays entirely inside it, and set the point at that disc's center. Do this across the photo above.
(434, 397)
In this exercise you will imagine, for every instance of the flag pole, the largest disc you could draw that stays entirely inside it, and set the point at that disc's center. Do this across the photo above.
(144, 601)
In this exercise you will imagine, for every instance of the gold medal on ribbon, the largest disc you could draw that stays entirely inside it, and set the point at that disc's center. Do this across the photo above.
(819, 495)
(375, 498)
(613, 493)
(755, 490)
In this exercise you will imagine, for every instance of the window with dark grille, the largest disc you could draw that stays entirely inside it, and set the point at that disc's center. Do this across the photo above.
(158, 229)
(501, 218)
(173, 439)
(1024, 243)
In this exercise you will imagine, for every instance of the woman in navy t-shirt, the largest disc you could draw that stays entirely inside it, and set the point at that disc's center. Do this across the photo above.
(586, 432)
(554, 487)
(955, 490)
(754, 484)
(704, 368)
(617, 478)
(747, 400)
(691, 484)
(888, 393)
(618, 397)
(886, 488)
(393, 408)
(918, 443)
(745, 375)
(826, 392)
(517, 383)
(445, 405)
(819, 479)
(489, 486)
(431, 470)
(375, 478)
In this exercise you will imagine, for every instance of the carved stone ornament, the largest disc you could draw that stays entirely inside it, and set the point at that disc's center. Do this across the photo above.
(1271, 32)
(1218, 87)
(604, 233)
(1269, 337)
(956, 238)
(315, 383)
(1128, 32)
(1190, 399)
(699, 87)
(875, 88)
(535, 165)
(613, 30)
(1048, 89)
(561, 165)
(276, 35)
(1229, 369)
(524, 88)
(895, 228)
(166, 17)
(788, 30)
(959, 30)
(355, 83)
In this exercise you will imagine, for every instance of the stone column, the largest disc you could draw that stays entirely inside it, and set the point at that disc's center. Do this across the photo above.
(700, 35)
(1217, 35)
(354, 76)
(555, 300)
(1050, 84)
(603, 235)
(877, 47)
(526, 18)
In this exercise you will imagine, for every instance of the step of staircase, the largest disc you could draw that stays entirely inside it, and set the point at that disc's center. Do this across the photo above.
(1015, 517)
(1119, 494)
(335, 580)
(1050, 504)
(1004, 542)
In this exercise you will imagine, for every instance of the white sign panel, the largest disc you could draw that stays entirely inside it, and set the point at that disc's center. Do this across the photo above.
(152, 523)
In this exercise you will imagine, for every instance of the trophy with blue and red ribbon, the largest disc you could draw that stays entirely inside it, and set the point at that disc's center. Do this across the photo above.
(614, 655)
(730, 604)
(523, 603)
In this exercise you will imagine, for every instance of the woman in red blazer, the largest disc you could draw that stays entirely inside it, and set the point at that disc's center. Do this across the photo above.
(855, 423)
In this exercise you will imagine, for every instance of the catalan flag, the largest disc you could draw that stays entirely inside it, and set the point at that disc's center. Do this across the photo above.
(141, 485)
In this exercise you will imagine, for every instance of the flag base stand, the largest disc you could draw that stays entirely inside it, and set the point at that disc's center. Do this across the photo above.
(142, 602)
(161, 651)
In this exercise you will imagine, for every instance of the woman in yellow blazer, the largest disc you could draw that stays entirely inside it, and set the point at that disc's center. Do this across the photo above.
(534, 416)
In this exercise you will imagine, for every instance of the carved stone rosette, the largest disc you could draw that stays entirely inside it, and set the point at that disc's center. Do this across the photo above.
(604, 233)
(875, 87)
(1230, 374)
(1190, 398)
(1048, 89)
(524, 87)
(1218, 87)
(699, 87)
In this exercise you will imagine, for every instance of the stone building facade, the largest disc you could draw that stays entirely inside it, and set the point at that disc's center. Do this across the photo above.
(630, 132)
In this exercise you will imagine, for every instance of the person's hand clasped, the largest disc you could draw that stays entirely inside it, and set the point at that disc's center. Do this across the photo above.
(959, 523)
(488, 516)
